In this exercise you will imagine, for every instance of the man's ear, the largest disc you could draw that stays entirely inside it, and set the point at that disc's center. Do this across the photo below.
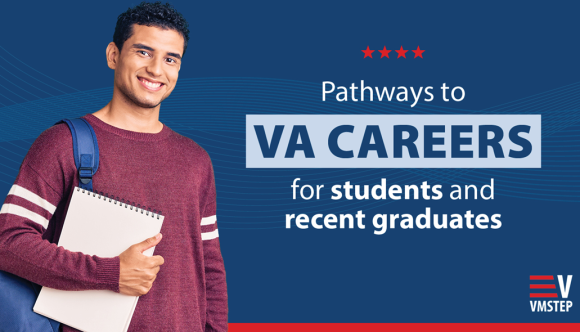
(112, 55)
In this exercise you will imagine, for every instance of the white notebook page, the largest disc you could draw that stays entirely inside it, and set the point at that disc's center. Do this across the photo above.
(106, 228)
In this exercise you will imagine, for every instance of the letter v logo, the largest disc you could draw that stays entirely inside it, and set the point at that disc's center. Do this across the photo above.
(564, 290)
(268, 151)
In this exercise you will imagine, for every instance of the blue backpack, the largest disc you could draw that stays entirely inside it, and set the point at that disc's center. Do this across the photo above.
(18, 295)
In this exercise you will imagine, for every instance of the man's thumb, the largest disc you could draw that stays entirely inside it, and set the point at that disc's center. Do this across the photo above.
(148, 243)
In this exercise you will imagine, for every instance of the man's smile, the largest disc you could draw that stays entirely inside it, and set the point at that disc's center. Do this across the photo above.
(150, 84)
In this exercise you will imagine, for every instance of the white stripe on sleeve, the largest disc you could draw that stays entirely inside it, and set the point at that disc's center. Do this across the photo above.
(208, 220)
(28, 195)
(209, 235)
(25, 213)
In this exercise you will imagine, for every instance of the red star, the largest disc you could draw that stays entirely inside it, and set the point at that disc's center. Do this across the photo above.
(384, 52)
(401, 53)
(418, 52)
(368, 52)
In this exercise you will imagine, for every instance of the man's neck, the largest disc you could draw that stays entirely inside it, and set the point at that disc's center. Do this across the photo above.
(130, 118)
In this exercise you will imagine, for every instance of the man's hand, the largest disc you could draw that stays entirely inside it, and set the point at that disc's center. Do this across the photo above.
(137, 270)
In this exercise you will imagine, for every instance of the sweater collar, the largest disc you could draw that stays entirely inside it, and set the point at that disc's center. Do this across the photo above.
(133, 135)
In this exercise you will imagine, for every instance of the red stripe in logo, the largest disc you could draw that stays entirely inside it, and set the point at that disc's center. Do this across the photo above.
(541, 277)
(550, 286)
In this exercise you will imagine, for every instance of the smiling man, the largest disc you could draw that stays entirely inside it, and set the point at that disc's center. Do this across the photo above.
(142, 162)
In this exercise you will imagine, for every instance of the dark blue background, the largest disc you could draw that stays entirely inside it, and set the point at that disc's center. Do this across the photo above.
(270, 58)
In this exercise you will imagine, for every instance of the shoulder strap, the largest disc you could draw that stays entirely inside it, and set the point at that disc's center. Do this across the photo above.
(86, 150)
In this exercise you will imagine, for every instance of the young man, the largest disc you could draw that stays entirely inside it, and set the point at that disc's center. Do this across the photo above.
(183, 287)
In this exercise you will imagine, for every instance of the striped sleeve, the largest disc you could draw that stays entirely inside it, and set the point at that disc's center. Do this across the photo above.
(215, 276)
(209, 232)
(28, 211)
(26, 204)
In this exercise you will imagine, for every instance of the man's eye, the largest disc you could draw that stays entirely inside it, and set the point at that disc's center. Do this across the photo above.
(171, 60)
(143, 52)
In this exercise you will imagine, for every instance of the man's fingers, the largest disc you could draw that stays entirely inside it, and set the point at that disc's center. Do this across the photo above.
(157, 260)
(148, 243)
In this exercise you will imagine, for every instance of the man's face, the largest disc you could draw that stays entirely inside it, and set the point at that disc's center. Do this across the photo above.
(147, 68)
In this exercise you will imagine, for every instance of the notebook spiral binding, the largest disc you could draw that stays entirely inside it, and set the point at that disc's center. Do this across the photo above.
(111, 200)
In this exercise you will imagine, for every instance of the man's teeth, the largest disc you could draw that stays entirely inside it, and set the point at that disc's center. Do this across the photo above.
(151, 84)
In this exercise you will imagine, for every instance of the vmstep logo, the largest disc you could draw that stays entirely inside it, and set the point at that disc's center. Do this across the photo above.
(544, 287)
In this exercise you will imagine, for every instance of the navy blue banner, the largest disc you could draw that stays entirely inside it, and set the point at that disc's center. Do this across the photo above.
(271, 58)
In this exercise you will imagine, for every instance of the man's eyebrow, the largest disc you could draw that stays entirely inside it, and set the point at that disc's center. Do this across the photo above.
(176, 55)
(145, 47)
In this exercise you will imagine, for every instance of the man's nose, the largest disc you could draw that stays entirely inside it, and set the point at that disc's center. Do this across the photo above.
(154, 68)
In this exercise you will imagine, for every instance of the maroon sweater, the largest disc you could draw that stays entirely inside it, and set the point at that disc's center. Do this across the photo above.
(165, 172)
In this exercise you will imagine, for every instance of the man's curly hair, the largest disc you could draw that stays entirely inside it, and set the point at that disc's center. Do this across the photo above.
(150, 14)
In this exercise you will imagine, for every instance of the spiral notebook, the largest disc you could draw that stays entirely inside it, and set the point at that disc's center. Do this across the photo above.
(102, 226)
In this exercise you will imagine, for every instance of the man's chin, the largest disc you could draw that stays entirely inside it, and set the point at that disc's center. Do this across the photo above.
(139, 102)
(144, 103)
(147, 104)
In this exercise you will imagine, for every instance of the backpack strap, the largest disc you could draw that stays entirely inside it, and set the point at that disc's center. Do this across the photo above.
(86, 150)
